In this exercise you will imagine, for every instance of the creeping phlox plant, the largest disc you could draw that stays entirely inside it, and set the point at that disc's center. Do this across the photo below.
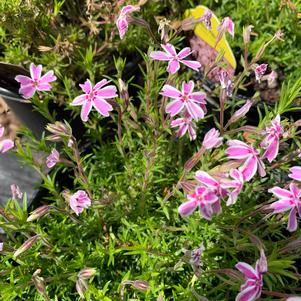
(131, 208)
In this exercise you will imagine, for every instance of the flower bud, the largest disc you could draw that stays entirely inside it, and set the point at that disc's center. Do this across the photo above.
(39, 212)
(247, 34)
(240, 112)
(26, 246)
(81, 286)
(188, 24)
(86, 273)
(140, 285)
(123, 91)
(59, 130)
(39, 284)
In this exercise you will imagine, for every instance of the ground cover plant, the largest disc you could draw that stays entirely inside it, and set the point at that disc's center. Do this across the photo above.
(186, 183)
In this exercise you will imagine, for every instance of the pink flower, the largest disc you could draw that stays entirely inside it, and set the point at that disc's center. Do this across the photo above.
(226, 82)
(79, 201)
(260, 71)
(174, 58)
(242, 151)
(122, 20)
(227, 25)
(29, 85)
(185, 124)
(16, 192)
(271, 141)
(5, 144)
(53, 158)
(95, 97)
(193, 102)
(251, 289)
(206, 19)
(1, 246)
(295, 173)
(234, 185)
(202, 198)
(288, 200)
(212, 139)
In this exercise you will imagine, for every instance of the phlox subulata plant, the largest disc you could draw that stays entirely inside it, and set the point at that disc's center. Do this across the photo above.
(173, 191)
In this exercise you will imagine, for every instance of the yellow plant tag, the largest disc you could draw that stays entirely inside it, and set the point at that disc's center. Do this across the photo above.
(209, 36)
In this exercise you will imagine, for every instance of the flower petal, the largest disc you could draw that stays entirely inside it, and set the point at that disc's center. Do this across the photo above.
(281, 206)
(48, 77)
(292, 220)
(35, 71)
(194, 110)
(248, 294)
(295, 173)
(174, 107)
(187, 208)
(86, 109)
(247, 270)
(206, 179)
(87, 86)
(107, 92)
(184, 53)
(170, 49)
(102, 106)
(160, 56)
(187, 88)
(23, 80)
(6, 145)
(27, 91)
(173, 66)
(249, 168)
(79, 100)
(195, 65)
(170, 91)
(281, 193)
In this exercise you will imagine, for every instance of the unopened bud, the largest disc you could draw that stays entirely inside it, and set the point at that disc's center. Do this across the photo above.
(247, 34)
(123, 91)
(86, 273)
(188, 24)
(59, 130)
(39, 284)
(81, 287)
(39, 212)
(187, 186)
(27, 245)
(140, 285)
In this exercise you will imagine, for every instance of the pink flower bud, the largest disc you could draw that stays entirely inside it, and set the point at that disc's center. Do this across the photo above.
(26, 246)
(212, 139)
(240, 112)
(39, 212)
(140, 285)
(16, 192)
(81, 286)
(59, 131)
(86, 273)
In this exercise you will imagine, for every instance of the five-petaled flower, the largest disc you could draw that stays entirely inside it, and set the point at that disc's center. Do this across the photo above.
(242, 151)
(212, 139)
(193, 102)
(122, 20)
(234, 186)
(288, 200)
(271, 141)
(95, 97)
(29, 85)
(251, 289)
(260, 71)
(53, 158)
(5, 144)
(185, 124)
(79, 201)
(202, 198)
(175, 58)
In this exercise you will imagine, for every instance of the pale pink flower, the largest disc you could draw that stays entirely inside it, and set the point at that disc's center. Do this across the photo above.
(241, 112)
(201, 198)
(175, 58)
(260, 71)
(272, 79)
(29, 85)
(294, 299)
(212, 139)
(288, 200)
(16, 192)
(95, 97)
(271, 141)
(185, 124)
(251, 289)
(226, 82)
(227, 25)
(206, 19)
(79, 201)
(122, 20)
(249, 155)
(295, 173)
(5, 144)
(192, 102)
(234, 186)
(1, 246)
(53, 158)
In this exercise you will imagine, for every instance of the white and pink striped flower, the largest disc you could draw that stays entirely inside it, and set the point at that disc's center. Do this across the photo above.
(271, 141)
(250, 157)
(212, 139)
(95, 97)
(201, 198)
(174, 59)
(251, 289)
(29, 85)
(79, 201)
(185, 124)
(233, 186)
(193, 103)
(122, 20)
(260, 70)
(288, 200)
(227, 25)
(53, 158)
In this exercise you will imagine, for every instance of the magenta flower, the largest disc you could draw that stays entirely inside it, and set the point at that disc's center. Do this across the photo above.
(175, 58)
(212, 139)
(193, 102)
(271, 141)
(53, 158)
(226, 82)
(242, 151)
(29, 85)
(122, 20)
(288, 200)
(79, 201)
(185, 124)
(201, 198)
(227, 25)
(234, 186)
(251, 289)
(295, 173)
(260, 71)
(95, 97)
(5, 144)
